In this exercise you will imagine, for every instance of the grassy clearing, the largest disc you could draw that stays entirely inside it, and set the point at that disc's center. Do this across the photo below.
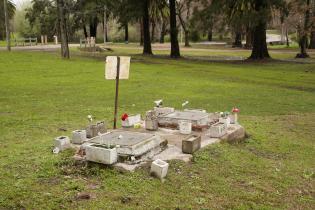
(273, 169)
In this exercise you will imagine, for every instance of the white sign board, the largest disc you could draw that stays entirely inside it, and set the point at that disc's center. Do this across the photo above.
(111, 67)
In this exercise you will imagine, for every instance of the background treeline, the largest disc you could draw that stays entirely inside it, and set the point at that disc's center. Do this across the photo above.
(243, 23)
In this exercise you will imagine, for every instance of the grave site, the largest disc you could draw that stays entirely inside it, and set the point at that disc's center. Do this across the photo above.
(163, 134)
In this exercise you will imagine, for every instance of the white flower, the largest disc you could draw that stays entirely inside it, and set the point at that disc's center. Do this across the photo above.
(90, 118)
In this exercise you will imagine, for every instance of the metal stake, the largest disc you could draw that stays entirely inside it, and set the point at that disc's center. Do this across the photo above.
(116, 96)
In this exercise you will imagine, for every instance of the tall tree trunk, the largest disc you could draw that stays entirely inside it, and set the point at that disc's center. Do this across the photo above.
(126, 33)
(84, 31)
(152, 31)
(163, 31)
(303, 39)
(260, 50)
(249, 38)
(312, 40)
(238, 39)
(141, 32)
(174, 33)
(63, 30)
(7, 26)
(209, 35)
(287, 36)
(93, 27)
(105, 25)
(210, 30)
(147, 50)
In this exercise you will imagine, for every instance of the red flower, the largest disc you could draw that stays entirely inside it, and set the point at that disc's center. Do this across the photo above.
(124, 117)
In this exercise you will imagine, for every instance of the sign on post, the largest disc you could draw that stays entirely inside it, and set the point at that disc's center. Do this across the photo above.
(117, 68)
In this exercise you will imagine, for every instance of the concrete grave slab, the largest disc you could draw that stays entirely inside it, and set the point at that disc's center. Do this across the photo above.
(130, 143)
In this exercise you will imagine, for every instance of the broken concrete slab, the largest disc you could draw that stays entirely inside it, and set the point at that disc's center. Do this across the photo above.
(234, 133)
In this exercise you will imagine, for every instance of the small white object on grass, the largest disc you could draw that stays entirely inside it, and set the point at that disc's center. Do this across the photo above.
(185, 103)
(90, 118)
(158, 103)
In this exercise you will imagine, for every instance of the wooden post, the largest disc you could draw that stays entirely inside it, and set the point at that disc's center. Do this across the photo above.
(116, 96)
(7, 27)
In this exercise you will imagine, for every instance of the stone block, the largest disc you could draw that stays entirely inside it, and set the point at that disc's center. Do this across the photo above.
(62, 142)
(94, 129)
(185, 126)
(78, 136)
(217, 130)
(151, 125)
(101, 154)
(191, 144)
(159, 168)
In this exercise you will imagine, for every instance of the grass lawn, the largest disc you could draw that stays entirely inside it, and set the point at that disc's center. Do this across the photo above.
(273, 169)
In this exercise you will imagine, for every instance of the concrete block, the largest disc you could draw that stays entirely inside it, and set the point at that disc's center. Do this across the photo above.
(94, 129)
(185, 126)
(78, 136)
(62, 142)
(101, 154)
(101, 127)
(151, 125)
(217, 130)
(191, 144)
(151, 122)
(159, 168)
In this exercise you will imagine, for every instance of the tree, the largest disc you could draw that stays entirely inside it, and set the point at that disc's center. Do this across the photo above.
(147, 50)
(11, 11)
(63, 29)
(312, 38)
(184, 6)
(174, 32)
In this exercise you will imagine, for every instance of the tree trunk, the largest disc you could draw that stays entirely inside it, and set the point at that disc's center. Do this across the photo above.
(163, 31)
(84, 31)
(187, 39)
(126, 33)
(174, 33)
(312, 40)
(63, 30)
(287, 37)
(147, 50)
(93, 27)
(249, 38)
(141, 32)
(152, 31)
(260, 50)
(105, 25)
(238, 39)
(303, 40)
(210, 34)
(7, 26)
